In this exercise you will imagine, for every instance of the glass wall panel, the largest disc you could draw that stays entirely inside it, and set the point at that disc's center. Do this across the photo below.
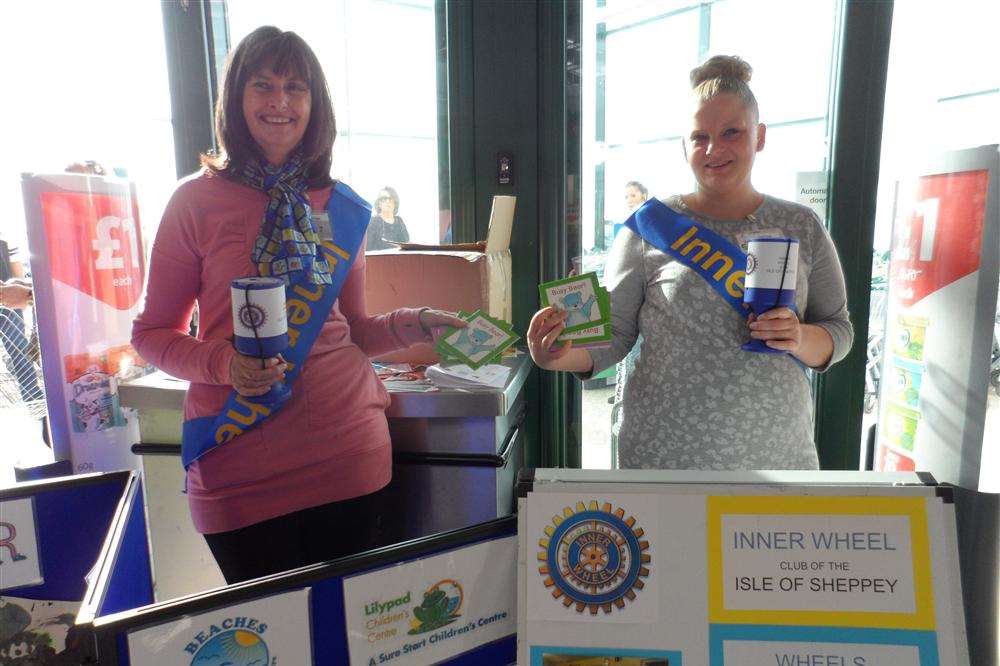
(942, 94)
(636, 59)
(84, 81)
(380, 60)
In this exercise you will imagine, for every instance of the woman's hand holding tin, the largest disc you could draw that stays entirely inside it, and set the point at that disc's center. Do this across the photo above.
(778, 328)
(250, 379)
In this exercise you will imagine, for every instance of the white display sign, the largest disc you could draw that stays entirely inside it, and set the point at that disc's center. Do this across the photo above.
(737, 575)
(438, 607)
(851, 563)
(266, 632)
(88, 277)
(19, 563)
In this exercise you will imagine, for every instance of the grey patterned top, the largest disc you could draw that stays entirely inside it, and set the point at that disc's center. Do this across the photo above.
(695, 400)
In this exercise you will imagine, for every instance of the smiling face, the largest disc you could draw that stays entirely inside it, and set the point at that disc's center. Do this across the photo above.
(633, 197)
(276, 108)
(725, 138)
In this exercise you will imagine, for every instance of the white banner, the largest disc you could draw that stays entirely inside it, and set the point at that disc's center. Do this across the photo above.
(266, 632)
(19, 563)
(439, 607)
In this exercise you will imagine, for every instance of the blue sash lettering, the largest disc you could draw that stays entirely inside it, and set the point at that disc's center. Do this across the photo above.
(307, 306)
(719, 262)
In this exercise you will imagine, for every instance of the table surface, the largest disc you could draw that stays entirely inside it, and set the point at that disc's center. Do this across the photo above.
(161, 391)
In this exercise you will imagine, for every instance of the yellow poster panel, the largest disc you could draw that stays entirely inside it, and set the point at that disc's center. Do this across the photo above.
(819, 561)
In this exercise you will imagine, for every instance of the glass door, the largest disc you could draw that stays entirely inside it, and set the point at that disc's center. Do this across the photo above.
(635, 58)
(938, 100)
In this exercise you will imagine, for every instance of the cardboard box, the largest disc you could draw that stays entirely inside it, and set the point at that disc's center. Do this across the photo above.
(471, 276)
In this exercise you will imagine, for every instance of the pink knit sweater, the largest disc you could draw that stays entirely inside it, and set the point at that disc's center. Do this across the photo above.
(330, 441)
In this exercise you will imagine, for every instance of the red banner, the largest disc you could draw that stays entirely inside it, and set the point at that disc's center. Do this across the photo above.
(938, 240)
(95, 245)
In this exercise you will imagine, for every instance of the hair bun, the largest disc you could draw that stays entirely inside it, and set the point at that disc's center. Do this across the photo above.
(721, 67)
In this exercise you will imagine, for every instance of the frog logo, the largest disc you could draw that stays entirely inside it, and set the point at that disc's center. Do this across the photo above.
(593, 558)
(440, 606)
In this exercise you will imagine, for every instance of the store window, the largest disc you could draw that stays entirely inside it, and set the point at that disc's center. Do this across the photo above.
(942, 95)
(380, 59)
(636, 60)
(74, 94)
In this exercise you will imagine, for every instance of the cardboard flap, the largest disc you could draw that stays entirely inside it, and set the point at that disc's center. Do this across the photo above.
(501, 222)
(478, 246)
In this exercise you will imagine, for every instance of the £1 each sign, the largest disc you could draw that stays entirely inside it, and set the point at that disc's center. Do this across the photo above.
(95, 245)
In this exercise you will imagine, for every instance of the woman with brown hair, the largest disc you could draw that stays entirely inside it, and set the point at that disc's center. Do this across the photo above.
(386, 227)
(273, 487)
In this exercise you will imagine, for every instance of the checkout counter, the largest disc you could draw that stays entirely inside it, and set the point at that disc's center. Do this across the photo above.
(455, 460)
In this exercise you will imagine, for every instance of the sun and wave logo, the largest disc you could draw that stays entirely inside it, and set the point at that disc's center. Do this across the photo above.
(236, 642)
(594, 557)
(440, 606)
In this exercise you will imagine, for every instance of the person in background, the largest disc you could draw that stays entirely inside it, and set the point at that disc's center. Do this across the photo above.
(387, 226)
(696, 400)
(299, 486)
(635, 195)
(15, 296)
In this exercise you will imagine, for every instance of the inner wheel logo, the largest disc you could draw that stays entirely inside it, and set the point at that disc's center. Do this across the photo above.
(593, 558)
(252, 316)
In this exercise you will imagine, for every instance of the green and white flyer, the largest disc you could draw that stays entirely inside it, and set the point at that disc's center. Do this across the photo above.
(427, 611)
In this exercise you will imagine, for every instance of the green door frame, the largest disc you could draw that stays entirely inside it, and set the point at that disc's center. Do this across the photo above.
(859, 103)
(196, 36)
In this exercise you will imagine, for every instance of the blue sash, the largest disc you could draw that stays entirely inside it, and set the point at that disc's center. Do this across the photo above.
(719, 262)
(307, 305)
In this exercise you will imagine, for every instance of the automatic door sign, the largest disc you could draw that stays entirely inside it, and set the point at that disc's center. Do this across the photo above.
(594, 558)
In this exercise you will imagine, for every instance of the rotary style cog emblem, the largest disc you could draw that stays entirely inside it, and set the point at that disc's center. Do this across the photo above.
(751, 263)
(593, 557)
(252, 316)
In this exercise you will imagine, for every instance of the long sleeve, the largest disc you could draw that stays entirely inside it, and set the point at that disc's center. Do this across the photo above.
(160, 332)
(625, 281)
(827, 305)
(378, 334)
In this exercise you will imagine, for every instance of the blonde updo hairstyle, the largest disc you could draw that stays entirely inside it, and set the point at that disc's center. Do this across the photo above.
(724, 74)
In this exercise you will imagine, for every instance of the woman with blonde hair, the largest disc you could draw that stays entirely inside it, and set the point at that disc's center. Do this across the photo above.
(696, 400)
